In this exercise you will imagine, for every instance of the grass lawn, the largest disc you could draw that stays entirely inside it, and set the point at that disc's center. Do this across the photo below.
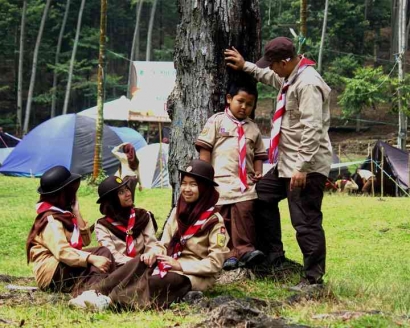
(368, 261)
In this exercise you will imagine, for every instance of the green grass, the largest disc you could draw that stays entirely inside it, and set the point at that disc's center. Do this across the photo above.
(368, 258)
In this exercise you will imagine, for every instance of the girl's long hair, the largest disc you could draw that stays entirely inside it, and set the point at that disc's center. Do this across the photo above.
(133, 161)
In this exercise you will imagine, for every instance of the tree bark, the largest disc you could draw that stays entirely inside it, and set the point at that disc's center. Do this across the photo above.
(34, 67)
(72, 61)
(303, 20)
(57, 57)
(402, 133)
(20, 70)
(135, 42)
(150, 29)
(206, 28)
(322, 40)
(100, 94)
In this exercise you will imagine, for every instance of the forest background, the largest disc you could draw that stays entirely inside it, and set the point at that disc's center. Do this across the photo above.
(359, 61)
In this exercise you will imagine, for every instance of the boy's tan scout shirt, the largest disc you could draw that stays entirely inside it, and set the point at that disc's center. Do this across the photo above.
(220, 136)
(203, 256)
(304, 143)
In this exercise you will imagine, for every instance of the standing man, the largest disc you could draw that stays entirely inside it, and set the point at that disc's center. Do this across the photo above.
(301, 151)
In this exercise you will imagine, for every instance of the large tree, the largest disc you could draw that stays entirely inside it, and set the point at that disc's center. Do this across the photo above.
(206, 28)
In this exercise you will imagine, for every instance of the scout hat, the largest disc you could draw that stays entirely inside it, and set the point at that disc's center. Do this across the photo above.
(55, 179)
(280, 48)
(109, 185)
(198, 168)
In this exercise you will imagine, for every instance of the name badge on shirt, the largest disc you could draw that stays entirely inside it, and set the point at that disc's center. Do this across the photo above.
(223, 132)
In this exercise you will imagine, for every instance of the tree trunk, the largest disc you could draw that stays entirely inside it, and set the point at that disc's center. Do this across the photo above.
(100, 94)
(206, 28)
(322, 40)
(34, 67)
(303, 19)
(402, 133)
(393, 34)
(72, 61)
(60, 40)
(150, 29)
(134, 50)
(20, 71)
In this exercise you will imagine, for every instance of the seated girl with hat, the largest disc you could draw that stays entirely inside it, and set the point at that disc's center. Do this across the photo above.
(194, 235)
(54, 244)
(126, 231)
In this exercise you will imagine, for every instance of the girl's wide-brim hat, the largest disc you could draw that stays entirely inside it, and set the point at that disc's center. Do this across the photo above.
(108, 186)
(55, 179)
(198, 168)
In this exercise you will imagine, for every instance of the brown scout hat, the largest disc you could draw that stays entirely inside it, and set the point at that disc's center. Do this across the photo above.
(109, 185)
(55, 179)
(198, 168)
(280, 48)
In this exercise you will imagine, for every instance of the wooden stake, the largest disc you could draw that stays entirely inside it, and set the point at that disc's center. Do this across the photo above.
(339, 158)
(382, 174)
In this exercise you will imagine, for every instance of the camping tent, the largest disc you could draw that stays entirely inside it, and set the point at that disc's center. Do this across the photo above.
(395, 166)
(115, 110)
(66, 140)
(154, 166)
(130, 135)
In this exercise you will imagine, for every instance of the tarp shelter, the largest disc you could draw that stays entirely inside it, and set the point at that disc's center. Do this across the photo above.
(395, 165)
(7, 144)
(66, 140)
(154, 166)
(151, 84)
(115, 110)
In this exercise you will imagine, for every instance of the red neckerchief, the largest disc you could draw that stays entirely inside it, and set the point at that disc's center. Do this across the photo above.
(162, 269)
(130, 249)
(281, 109)
(241, 149)
(76, 241)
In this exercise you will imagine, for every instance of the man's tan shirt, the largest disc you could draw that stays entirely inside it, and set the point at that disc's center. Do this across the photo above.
(304, 143)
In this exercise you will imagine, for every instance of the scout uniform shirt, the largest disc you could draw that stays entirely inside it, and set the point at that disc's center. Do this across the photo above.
(304, 143)
(51, 246)
(220, 136)
(202, 256)
(146, 242)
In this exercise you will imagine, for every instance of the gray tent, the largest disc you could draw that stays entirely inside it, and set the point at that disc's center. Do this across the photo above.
(395, 166)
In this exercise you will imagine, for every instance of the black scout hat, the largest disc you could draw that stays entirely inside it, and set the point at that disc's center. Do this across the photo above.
(280, 48)
(55, 179)
(109, 185)
(198, 168)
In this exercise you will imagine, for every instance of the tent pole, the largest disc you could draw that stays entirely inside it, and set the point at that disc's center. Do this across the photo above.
(382, 174)
(160, 151)
(371, 168)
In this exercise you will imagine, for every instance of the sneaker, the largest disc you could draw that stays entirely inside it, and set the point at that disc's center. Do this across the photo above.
(230, 264)
(251, 259)
(304, 286)
(98, 303)
(79, 301)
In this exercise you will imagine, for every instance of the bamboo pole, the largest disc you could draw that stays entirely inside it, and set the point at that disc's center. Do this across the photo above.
(382, 174)
(160, 152)
(339, 158)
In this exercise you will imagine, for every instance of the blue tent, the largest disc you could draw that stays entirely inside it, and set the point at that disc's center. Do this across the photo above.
(131, 136)
(66, 140)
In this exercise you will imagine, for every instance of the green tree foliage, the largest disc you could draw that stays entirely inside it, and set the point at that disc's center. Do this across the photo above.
(367, 88)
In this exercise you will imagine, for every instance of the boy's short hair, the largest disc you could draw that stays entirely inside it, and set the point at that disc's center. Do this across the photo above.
(235, 87)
